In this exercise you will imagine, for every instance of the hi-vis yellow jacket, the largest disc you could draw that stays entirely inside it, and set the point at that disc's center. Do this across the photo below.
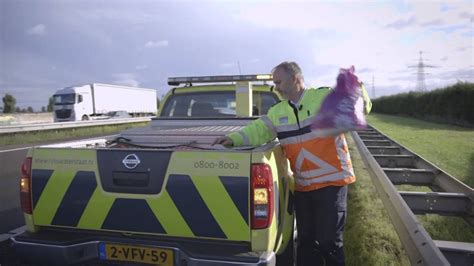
(316, 162)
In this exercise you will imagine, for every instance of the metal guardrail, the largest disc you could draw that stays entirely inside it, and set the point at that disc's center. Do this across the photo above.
(391, 164)
(65, 125)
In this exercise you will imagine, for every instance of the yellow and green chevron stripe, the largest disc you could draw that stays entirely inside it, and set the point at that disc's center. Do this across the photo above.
(191, 202)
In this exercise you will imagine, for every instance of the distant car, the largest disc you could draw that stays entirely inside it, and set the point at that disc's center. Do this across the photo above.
(118, 115)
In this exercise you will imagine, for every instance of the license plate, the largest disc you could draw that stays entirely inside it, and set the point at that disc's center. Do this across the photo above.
(157, 256)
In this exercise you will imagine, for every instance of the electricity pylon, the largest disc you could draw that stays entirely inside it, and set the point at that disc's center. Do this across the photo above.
(421, 85)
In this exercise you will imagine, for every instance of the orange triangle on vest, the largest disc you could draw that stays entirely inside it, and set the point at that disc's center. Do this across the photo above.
(309, 165)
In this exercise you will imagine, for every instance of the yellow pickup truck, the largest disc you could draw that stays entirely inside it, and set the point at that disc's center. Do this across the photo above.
(163, 194)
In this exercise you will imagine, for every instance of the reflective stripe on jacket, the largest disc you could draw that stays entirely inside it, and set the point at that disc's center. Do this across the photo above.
(316, 162)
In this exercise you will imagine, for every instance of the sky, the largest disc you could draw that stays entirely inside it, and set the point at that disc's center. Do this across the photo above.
(46, 45)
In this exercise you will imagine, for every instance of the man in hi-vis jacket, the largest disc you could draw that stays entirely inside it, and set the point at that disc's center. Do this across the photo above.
(321, 165)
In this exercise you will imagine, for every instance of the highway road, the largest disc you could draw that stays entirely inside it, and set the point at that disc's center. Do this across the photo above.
(10, 213)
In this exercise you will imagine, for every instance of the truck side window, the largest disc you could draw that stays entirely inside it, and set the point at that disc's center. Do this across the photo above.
(79, 98)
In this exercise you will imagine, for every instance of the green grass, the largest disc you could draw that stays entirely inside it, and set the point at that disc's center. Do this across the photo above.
(447, 228)
(369, 237)
(450, 148)
(62, 134)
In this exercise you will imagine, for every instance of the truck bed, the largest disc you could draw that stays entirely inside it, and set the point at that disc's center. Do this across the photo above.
(173, 134)
(183, 131)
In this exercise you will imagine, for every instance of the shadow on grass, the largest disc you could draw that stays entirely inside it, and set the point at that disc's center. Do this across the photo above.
(470, 172)
(416, 123)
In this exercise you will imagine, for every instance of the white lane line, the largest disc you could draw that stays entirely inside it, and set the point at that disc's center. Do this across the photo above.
(13, 232)
(25, 148)
(18, 149)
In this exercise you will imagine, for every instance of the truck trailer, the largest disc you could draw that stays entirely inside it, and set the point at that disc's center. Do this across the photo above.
(95, 100)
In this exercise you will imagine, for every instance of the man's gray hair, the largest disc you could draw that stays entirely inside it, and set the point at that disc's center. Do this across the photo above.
(291, 68)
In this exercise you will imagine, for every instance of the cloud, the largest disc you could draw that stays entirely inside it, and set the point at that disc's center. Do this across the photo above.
(126, 79)
(452, 28)
(445, 7)
(376, 37)
(228, 65)
(121, 12)
(154, 44)
(365, 70)
(127, 82)
(444, 58)
(141, 67)
(39, 29)
(467, 15)
(379, 91)
(312, 15)
(402, 23)
(435, 22)
(462, 49)
(240, 64)
(458, 75)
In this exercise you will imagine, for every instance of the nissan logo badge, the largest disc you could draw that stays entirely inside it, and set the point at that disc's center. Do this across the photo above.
(131, 161)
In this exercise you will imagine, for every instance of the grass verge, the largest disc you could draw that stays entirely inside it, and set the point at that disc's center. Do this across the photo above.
(61, 134)
(451, 148)
(369, 237)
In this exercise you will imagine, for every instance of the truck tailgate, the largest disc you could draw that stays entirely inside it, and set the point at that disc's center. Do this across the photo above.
(193, 194)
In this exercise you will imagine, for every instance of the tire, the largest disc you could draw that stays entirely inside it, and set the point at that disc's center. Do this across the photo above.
(85, 118)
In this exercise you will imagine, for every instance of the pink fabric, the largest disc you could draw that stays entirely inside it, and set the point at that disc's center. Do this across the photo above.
(343, 109)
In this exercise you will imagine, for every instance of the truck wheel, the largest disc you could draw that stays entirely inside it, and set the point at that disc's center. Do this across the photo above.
(288, 257)
(85, 118)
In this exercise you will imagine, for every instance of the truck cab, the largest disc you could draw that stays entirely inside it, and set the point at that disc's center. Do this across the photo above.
(72, 103)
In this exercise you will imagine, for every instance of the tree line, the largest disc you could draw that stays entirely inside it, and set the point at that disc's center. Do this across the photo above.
(453, 104)
(9, 105)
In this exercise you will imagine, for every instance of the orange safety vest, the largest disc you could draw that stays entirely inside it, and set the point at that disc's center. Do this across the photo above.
(316, 161)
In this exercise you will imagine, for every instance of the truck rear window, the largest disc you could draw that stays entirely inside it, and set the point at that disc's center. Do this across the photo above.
(214, 104)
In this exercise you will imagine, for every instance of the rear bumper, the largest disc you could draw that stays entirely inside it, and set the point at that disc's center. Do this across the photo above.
(70, 248)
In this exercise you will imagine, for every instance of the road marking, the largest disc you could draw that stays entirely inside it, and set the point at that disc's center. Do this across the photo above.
(13, 232)
(25, 148)
(18, 149)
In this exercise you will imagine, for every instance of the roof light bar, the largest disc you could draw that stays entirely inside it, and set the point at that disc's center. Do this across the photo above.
(174, 81)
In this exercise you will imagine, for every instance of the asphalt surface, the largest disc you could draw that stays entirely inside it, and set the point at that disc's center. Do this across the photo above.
(11, 158)
(11, 216)
(10, 212)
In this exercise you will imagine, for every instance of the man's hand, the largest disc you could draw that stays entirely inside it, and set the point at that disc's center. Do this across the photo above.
(225, 141)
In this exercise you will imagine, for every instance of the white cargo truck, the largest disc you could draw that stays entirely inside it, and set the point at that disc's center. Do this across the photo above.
(94, 101)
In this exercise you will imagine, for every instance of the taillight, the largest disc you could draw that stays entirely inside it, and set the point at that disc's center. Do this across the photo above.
(25, 186)
(262, 196)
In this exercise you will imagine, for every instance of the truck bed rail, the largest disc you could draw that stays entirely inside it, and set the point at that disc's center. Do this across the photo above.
(65, 125)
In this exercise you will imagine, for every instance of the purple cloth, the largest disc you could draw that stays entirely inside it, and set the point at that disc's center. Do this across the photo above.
(343, 109)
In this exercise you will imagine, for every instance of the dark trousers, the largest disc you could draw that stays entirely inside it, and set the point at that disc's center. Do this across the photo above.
(320, 219)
